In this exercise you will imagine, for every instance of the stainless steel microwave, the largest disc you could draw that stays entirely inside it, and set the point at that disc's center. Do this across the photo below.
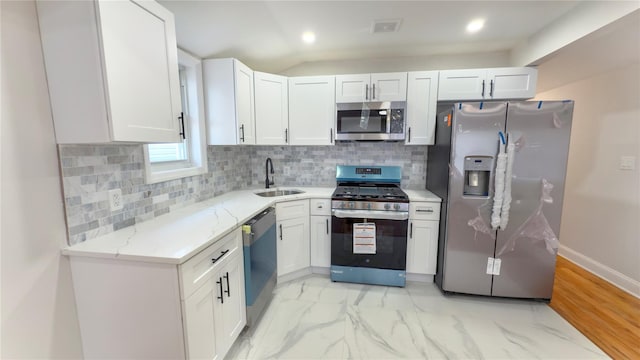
(370, 121)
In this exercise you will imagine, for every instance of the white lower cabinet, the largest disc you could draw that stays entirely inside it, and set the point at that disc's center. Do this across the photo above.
(422, 241)
(320, 210)
(292, 219)
(141, 310)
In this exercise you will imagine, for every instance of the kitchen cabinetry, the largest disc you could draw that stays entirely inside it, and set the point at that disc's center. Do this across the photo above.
(320, 232)
(112, 71)
(422, 242)
(271, 107)
(371, 87)
(144, 310)
(488, 84)
(229, 98)
(312, 110)
(422, 97)
(292, 218)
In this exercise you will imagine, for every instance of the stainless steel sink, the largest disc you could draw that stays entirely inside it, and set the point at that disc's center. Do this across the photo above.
(272, 193)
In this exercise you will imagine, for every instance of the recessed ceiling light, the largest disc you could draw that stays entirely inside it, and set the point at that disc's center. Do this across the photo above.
(475, 25)
(309, 37)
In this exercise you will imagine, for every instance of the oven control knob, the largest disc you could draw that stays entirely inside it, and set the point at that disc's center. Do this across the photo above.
(387, 206)
(396, 206)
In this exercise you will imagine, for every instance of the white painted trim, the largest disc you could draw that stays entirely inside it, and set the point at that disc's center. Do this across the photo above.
(320, 270)
(293, 275)
(420, 278)
(604, 272)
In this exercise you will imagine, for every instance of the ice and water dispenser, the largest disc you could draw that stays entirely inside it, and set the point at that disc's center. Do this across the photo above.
(477, 172)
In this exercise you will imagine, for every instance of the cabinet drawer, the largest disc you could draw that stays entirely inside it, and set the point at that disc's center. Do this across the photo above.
(195, 271)
(320, 207)
(424, 210)
(292, 209)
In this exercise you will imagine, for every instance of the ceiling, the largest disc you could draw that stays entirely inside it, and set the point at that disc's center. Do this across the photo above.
(266, 35)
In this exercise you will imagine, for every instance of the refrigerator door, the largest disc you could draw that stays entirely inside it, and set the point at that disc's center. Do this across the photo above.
(527, 247)
(470, 242)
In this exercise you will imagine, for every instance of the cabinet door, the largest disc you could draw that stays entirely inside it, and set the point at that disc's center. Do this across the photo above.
(512, 83)
(422, 90)
(141, 67)
(463, 85)
(312, 110)
(422, 247)
(244, 103)
(388, 87)
(293, 245)
(232, 316)
(320, 241)
(271, 107)
(199, 317)
(353, 88)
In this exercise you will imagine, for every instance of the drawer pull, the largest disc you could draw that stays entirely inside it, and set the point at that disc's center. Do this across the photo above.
(424, 210)
(222, 253)
(221, 297)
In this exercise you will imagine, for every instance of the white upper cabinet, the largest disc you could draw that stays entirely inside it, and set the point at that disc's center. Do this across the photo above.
(311, 110)
(488, 84)
(422, 90)
(371, 87)
(271, 106)
(112, 71)
(512, 83)
(229, 98)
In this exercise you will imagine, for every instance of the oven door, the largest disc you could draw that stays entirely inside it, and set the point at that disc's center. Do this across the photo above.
(390, 239)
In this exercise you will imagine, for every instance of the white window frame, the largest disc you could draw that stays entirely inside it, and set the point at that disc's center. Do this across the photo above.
(195, 124)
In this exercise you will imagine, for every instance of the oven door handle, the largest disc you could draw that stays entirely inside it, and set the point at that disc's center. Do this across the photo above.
(367, 214)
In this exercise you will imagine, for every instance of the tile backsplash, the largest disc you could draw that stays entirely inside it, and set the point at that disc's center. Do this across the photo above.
(90, 171)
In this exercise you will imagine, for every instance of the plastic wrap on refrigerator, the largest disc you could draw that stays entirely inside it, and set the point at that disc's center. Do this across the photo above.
(536, 227)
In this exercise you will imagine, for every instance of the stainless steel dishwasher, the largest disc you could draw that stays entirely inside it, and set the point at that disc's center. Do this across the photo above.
(259, 237)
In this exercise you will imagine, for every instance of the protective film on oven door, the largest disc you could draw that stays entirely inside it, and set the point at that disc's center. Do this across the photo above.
(390, 244)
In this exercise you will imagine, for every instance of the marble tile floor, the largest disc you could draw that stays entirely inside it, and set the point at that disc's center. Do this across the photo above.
(314, 318)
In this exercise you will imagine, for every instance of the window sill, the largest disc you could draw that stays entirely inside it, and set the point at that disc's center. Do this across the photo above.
(160, 176)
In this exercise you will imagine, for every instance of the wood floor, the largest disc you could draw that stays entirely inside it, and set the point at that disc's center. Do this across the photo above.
(608, 316)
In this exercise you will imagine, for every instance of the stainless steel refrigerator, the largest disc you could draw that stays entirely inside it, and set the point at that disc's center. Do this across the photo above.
(500, 169)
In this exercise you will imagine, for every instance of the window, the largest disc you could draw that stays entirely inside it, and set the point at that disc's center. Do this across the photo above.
(187, 158)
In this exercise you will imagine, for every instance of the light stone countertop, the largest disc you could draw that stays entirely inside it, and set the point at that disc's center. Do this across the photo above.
(175, 237)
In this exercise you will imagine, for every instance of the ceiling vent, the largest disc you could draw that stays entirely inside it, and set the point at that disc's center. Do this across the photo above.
(386, 26)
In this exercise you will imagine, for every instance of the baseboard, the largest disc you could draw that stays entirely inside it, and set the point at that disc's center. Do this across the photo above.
(604, 272)
(294, 275)
(320, 270)
(422, 278)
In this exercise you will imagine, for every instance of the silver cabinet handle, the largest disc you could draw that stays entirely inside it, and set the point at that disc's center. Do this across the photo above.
(491, 88)
(242, 132)
(183, 133)
(409, 130)
(331, 136)
(411, 231)
(366, 91)
(327, 220)
(482, 89)
(286, 136)
(280, 231)
(374, 92)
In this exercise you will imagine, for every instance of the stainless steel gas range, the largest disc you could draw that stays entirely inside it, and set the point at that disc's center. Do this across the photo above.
(369, 226)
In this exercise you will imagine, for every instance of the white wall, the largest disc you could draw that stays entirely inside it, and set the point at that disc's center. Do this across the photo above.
(601, 214)
(435, 62)
(38, 309)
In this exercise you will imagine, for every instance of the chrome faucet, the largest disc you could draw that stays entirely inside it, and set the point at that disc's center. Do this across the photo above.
(266, 171)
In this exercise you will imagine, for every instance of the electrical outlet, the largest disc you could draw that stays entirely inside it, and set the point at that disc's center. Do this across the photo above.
(627, 163)
(115, 199)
